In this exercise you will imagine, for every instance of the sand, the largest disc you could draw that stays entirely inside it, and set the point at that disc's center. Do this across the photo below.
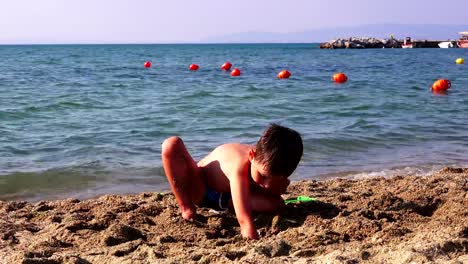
(403, 219)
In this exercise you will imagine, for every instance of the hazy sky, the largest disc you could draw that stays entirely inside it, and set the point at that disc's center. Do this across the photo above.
(154, 21)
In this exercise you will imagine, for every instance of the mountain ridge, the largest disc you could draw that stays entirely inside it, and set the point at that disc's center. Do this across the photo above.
(399, 31)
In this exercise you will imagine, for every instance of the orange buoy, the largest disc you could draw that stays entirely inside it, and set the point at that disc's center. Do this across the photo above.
(441, 85)
(147, 64)
(339, 77)
(226, 66)
(284, 74)
(235, 72)
(193, 67)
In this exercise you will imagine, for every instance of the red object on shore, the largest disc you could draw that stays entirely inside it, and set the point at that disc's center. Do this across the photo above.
(193, 67)
(339, 77)
(284, 74)
(441, 85)
(235, 72)
(147, 64)
(226, 66)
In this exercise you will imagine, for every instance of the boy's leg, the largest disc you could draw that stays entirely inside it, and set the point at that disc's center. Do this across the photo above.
(183, 175)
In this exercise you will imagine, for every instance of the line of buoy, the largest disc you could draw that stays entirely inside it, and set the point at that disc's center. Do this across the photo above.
(439, 86)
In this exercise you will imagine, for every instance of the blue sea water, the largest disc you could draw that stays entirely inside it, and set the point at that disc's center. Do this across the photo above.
(85, 120)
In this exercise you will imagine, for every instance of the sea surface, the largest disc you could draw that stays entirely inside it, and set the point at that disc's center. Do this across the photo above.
(86, 120)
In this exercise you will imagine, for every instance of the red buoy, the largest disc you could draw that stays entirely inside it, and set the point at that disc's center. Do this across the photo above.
(147, 64)
(441, 85)
(284, 74)
(193, 67)
(226, 66)
(339, 77)
(235, 72)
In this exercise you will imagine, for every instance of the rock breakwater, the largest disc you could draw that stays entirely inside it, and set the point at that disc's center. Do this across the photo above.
(361, 43)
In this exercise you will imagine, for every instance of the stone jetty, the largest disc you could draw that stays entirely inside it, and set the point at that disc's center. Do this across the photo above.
(375, 43)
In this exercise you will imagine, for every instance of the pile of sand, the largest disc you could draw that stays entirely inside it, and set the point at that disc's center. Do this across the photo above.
(397, 220)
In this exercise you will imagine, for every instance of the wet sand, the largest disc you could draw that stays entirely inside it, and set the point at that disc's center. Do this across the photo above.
(403, 219)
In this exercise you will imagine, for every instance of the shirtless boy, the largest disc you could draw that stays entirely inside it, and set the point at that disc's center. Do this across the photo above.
(247, 178)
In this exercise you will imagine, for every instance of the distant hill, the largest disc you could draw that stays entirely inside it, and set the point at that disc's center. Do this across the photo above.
(399, 31)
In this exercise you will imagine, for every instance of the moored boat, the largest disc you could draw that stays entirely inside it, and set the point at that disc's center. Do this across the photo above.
(407, 43)
(447, 44)
(463, 41)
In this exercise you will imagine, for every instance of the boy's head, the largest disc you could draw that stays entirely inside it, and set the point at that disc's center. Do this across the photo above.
(279, 150)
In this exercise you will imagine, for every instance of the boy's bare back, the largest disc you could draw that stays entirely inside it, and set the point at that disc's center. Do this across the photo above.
(224, 163)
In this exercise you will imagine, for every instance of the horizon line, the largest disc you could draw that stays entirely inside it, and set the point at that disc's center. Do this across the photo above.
(151, 43)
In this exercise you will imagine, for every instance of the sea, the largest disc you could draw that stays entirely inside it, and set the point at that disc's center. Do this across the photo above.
(79, 121)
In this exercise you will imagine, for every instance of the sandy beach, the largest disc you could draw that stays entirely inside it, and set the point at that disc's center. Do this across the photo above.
(403, 219)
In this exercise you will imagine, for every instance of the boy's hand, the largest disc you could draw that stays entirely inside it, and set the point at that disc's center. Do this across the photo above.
(250, 233)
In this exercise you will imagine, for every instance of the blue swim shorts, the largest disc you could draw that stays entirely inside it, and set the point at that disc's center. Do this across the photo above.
(216, 200)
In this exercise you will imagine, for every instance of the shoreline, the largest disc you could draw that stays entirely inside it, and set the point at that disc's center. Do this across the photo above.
(402, 219)
(58, 185)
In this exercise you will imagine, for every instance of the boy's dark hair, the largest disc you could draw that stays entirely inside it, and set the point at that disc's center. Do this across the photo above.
(279, 149)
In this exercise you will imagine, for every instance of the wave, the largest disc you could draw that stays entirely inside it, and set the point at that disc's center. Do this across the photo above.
(84, 181)
(52, 108)
(92, 180)
(420, 171)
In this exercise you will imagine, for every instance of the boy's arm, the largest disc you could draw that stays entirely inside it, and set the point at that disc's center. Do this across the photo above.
(240, 193)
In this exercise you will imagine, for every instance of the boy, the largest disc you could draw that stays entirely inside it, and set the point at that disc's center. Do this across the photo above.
(252, 177)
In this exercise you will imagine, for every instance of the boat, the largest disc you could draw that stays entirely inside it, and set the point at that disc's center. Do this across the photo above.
(447, 44)
(463, 41)
(407, 43)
